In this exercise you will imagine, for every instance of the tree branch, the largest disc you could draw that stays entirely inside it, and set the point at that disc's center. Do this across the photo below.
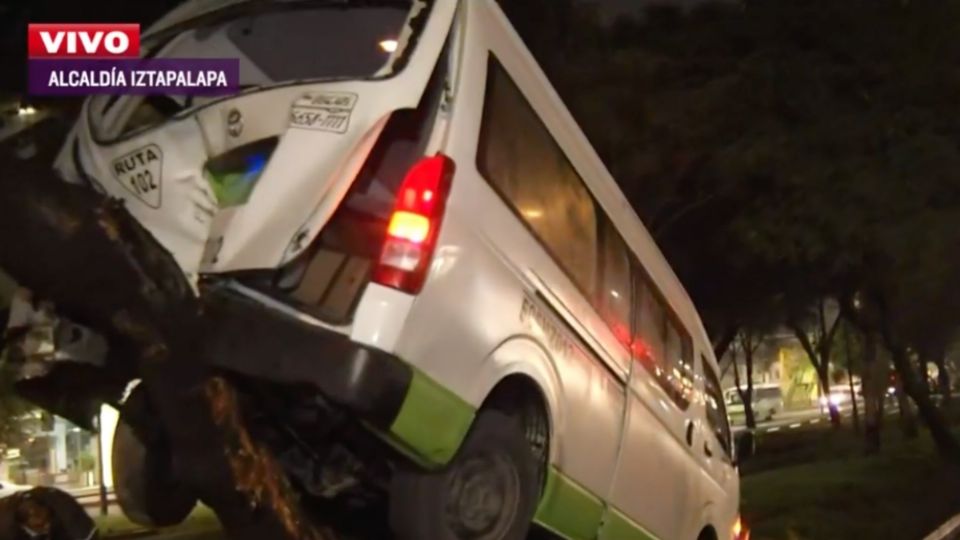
(807, 345)
(722, 345)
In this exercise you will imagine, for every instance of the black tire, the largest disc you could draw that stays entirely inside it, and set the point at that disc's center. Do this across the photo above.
(495, 464)
(143, 474)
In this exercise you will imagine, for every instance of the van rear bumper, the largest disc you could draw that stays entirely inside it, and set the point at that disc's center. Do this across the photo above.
(253, 340)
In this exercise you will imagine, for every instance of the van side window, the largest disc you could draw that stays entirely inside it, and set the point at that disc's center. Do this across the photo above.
(716, 410)
(613, 294)
(524, 164)
(661, 345)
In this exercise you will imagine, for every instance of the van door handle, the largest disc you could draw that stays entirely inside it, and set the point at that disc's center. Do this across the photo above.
(689, 433)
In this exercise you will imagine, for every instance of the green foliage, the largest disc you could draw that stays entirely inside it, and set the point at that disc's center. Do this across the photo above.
(11, 409)
(818, 484)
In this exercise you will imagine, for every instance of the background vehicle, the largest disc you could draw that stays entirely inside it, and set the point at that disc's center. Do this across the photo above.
(840, 397)
(767, 402)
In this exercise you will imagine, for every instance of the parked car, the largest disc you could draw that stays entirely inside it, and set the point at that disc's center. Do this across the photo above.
(767, 402)
(8, 488)
(840, 397)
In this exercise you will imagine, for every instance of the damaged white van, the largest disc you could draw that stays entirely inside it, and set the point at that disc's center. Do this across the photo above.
(429, 283)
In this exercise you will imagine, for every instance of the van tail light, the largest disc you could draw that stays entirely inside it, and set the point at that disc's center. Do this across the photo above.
(740, 531)
(414, 225)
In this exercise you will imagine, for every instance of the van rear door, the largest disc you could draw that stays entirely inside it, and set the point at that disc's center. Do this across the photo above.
(247, 182)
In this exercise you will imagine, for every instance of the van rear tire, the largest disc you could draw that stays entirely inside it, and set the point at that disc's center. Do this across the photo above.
(489, 491)
(144, 481)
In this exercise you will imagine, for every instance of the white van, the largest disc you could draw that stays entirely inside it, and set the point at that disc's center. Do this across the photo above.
(398, 212)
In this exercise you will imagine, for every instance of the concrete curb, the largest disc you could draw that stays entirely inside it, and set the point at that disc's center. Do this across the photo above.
(948, 530)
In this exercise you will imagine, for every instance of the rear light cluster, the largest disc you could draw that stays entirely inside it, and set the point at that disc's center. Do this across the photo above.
(414, 225)
(740, 531)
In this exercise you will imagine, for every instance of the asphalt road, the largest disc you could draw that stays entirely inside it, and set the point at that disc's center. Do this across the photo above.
(794, 420)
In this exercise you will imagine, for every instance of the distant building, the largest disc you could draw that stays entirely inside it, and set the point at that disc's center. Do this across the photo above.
(778, 359)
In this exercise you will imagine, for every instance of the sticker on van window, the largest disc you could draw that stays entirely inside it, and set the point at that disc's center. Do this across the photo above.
(140, 173)
(328, 111)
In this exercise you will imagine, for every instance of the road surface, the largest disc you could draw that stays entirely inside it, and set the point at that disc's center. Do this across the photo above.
(794, 420)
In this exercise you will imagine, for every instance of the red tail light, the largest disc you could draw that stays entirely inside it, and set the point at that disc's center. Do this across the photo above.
(740, 531)
(414, 224)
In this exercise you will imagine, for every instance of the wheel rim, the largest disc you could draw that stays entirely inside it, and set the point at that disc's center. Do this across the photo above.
(484, 492)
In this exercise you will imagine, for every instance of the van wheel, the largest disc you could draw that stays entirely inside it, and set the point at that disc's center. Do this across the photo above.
(488, 491)
(145, 485)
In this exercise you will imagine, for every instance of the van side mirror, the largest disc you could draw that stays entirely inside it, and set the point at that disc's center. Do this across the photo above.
(746, 446)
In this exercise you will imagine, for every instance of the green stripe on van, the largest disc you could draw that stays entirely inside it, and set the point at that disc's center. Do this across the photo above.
(617, 526)
(432, 421)
(568, 509)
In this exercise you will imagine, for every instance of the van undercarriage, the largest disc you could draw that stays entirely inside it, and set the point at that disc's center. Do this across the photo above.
(227, 386)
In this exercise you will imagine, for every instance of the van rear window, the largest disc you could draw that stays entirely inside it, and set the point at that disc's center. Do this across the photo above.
(349, 42)
(276, 43)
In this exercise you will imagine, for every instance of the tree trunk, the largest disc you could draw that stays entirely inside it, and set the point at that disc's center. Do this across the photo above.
(874, 390)
(749, 417)
(946, 443)
(746, 396)
(819, 355)
(824, 376)
(908, 422)
(927, 384)
(853, 390)
(943, 382)
(100, 266)
(853, 400)
(722, 345)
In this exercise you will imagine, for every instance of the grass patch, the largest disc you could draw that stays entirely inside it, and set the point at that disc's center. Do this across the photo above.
(832, 491)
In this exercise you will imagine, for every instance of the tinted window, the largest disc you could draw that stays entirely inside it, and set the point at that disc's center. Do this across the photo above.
(768, 393)
(528, 169)
(524, 164)
(661, 344)
(275, 42)
(716, 411)
(613, 294)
